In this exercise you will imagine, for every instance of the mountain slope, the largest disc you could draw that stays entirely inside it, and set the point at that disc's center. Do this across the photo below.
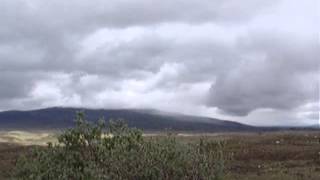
(149, 120)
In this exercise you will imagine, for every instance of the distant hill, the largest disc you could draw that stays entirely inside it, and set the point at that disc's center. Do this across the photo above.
(148, 120)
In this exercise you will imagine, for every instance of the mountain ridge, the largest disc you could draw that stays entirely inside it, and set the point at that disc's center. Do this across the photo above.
(146, 119)
(52, 118)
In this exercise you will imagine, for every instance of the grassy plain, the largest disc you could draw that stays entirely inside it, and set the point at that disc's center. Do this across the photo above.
(254, 156)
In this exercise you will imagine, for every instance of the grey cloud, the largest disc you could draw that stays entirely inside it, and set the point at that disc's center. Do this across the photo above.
(313, 115)
(50, 30)
(73, 14)
(276, 73)
(199, 60)
(12, 86)
(41, 41)
(55, 27)
(15, 85)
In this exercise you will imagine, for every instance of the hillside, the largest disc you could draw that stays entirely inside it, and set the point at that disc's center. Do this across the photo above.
(148, 120)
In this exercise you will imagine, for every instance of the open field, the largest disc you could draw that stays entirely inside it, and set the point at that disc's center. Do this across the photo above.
(279, 155)
(27, 137)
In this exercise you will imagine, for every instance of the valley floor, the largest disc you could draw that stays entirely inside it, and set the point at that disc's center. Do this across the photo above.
(252, 156)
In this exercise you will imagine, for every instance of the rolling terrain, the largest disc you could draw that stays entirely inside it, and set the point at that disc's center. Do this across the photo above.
(263, 156)
(252, 152)
(147, 120)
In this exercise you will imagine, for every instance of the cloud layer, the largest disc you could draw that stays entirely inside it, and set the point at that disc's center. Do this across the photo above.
(251, 61)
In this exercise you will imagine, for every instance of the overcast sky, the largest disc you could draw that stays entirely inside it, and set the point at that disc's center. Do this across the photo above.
(252, 61)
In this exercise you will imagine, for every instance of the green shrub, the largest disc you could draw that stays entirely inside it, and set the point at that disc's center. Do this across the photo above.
(88, 151)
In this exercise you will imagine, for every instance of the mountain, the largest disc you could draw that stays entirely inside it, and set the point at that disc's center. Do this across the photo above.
(146, 119)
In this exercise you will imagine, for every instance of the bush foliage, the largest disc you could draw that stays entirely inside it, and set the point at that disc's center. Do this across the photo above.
(96, 151)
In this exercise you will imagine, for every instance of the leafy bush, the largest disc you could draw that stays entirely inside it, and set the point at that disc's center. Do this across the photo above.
(95, 151)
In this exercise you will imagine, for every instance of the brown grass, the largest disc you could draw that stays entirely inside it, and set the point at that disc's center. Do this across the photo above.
(268, 156)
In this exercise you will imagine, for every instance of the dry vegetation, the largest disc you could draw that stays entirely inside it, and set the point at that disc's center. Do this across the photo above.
(286, 155)
(27, 137)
